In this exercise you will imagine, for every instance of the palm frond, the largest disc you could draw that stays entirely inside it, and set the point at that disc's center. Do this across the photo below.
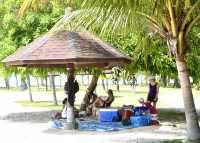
(28, 4)
(189, 14)
(189, 27)
(110, 17)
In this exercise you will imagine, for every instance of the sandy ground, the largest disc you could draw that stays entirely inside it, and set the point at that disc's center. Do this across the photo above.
(30, 125)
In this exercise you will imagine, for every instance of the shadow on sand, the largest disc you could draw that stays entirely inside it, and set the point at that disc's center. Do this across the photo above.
(35, 117)
(165, 115)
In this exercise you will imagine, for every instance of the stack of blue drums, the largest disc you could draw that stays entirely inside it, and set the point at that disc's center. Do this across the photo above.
(141, 117)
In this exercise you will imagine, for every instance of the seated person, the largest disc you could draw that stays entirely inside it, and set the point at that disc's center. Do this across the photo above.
(110, 99)
(148, 105)
(100, 102)
(92, 98)
(88, 99)
(104, 102)
(152, 111)
(63, 114)
(64, 110)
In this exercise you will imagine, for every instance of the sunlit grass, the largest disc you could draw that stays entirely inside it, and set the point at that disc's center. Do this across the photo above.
(40, 104)
(126, 96)
(173, 141)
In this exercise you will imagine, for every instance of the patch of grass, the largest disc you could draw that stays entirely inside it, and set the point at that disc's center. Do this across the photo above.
(127, 95)
(173, 141)
(40, 104)
(181, 141)
(43, 104)
(171, 115)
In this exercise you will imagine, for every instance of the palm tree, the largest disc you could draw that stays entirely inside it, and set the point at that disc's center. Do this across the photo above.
(171, 20)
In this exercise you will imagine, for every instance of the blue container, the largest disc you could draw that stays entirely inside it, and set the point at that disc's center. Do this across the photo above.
(139, 121)
(108, 115)
(138, 111)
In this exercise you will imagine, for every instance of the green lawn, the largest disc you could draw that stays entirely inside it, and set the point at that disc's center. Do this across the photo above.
(126, 95)
(173, 141)
(40, 104)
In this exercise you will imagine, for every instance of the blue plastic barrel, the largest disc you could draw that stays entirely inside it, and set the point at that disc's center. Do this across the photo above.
(139, 121)
(108, 115)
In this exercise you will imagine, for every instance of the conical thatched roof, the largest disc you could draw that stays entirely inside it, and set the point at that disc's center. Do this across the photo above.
(67, 49)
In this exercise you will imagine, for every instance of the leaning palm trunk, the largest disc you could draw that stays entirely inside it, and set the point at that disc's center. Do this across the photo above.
(190, 110)
(90, 89)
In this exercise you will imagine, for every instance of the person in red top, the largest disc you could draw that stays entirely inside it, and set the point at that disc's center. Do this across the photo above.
(153, 111)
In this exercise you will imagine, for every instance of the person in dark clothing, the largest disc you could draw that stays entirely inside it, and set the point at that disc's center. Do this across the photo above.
(153, 91)
(71, 88)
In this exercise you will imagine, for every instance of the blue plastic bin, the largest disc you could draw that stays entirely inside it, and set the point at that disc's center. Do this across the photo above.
(138, 111)
(139, 121)
(108, 115)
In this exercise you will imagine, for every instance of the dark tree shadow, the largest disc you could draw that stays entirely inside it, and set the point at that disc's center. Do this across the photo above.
(173, 115)
(33, 117)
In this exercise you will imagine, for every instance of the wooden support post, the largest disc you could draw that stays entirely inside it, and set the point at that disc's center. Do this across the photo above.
(70, 89)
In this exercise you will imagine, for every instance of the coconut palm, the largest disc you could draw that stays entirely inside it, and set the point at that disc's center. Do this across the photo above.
(171, 20)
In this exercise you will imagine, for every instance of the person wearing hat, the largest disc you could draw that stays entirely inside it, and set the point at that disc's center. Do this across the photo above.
(152, 96)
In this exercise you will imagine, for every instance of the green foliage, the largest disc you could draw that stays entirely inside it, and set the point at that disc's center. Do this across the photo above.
(124, 24)
(16, 33)
(193, 57)
(145, 54)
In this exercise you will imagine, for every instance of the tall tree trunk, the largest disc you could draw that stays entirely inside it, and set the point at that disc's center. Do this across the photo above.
(42, 82)
(7, 83)
(23, 85)
(91, 88)
(54, 89)
(46, 83)
(193, 130)
(29, 88)
(50, 83)
(164, 80)
(17, 83)
(124, 81)
(177, 83)
(103, 84)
